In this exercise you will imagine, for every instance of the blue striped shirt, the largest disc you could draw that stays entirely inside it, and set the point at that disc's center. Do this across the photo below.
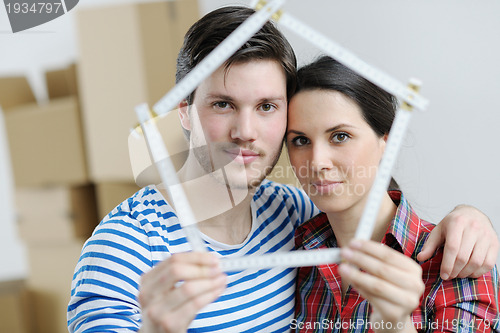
(143, 231)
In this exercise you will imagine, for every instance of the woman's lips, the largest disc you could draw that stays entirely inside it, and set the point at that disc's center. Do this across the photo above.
(325, 186)
(242, 156)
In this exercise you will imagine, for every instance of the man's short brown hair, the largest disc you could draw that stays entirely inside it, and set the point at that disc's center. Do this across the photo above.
(207, 33)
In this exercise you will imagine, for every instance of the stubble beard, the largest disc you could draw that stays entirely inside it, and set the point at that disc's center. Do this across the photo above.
(204, 155)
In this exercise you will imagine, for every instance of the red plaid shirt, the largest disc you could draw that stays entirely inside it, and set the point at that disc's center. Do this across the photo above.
(459, 305)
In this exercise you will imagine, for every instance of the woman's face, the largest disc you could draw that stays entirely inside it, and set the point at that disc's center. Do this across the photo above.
(334, 152)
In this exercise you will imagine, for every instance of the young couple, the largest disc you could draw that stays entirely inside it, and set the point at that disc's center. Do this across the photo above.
(128, 277)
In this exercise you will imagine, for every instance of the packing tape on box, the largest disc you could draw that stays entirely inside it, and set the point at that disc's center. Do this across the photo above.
(215, 59)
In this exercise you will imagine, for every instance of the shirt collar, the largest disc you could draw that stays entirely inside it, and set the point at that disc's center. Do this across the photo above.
(315, 233)
(404, 228)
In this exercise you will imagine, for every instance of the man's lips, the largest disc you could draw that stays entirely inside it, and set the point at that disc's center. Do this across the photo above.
(243, 156)
(325, 186)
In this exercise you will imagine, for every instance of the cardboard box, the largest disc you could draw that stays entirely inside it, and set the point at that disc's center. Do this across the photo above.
(49, 282)
(170, 128)
(56, 214)
(15, 308)
(15, 91)
(62, 82)
(46, 143)
(128, 56)
(110, 194)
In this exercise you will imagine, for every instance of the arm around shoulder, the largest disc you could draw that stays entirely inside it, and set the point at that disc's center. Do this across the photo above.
(470, 243)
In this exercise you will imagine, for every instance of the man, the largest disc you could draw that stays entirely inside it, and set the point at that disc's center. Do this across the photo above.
(127, 278)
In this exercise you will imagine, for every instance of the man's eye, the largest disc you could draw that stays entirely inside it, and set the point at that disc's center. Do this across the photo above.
(267, 107)
(340, 137)
(300, 141)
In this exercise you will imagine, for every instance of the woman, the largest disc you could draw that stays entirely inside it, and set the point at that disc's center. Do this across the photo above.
(337, 131)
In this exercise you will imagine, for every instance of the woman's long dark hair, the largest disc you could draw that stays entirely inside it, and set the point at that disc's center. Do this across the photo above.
(378, 107)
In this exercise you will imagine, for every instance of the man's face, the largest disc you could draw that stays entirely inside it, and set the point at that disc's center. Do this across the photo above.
(238, 120)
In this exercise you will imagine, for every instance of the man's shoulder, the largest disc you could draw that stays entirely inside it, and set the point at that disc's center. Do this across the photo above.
(145, 207)
(294, 199)
(148, 197)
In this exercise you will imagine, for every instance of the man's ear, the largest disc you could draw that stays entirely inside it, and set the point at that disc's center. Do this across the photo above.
(184, 114)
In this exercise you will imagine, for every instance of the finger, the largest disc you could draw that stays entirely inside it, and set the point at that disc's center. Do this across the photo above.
(451, 248)
(386, 311)
(491, 257)
(386, 255)
(203, 299)
(172, 274)
(178, 319)
(476, 260)
(464, 253)
(374, 288)
(190, 290)
(195, 305)
(168, 284)
(183, 266)
(485, 268)
(433, 242)
(195, 258)
(401, 271)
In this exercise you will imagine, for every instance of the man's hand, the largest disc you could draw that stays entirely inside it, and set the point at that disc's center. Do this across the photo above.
(470, 243)
(169, 305)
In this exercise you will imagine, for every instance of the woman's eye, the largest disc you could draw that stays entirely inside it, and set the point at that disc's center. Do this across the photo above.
(267, 107)
(340, 137)
(300, 141)
(222, 105)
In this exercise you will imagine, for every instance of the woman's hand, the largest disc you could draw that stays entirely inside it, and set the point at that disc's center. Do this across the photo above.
(170, 306)
(391, 282)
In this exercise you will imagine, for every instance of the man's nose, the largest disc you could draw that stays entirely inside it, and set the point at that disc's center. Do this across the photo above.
(245, 125)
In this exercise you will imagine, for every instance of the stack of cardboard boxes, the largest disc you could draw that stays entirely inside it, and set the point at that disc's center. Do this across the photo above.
(71, 156)
(127, 56)
(133, 61)
(55, 200)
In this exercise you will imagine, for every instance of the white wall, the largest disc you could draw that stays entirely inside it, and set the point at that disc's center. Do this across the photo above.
(451, 155)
